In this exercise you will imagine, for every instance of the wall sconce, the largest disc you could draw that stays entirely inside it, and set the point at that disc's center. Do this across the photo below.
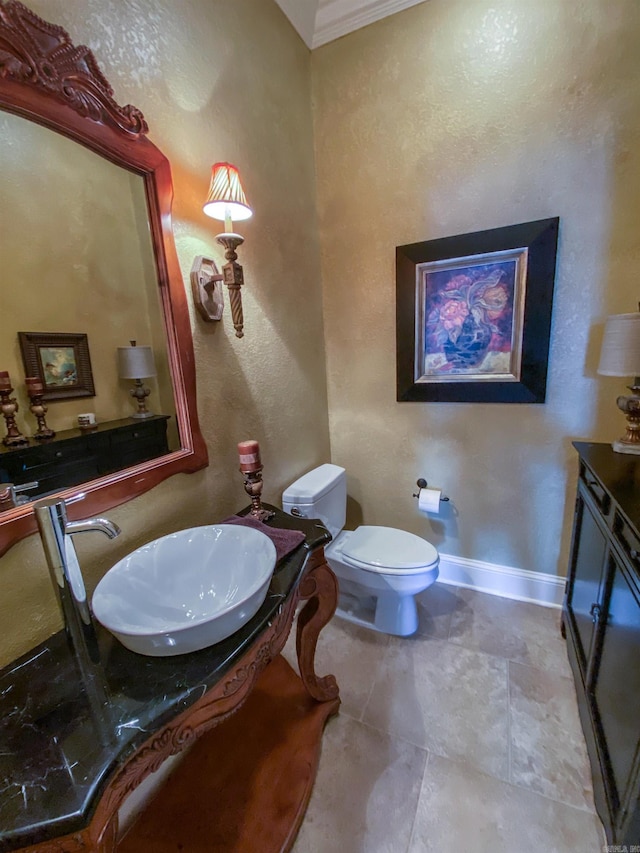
(206, 286)
(620, 356)
(137, 363)
(226, 201)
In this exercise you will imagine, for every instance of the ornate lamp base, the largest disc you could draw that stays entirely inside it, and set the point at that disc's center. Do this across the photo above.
(140, 394)
(630, 405)
(622, 446)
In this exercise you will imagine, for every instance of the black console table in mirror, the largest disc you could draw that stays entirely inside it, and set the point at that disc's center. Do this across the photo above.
(78, 736)
(601, 620)
(75, 456)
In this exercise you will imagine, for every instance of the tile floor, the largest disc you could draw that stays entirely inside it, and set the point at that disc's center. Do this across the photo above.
(464, 738)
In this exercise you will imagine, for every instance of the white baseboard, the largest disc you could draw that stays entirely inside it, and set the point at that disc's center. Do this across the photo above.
(505, 581)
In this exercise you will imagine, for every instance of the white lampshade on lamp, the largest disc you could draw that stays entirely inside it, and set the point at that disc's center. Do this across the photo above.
(226, 201)
(620, 356)
(137, 363)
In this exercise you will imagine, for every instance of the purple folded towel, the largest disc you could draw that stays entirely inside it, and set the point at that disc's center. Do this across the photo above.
(285, 541)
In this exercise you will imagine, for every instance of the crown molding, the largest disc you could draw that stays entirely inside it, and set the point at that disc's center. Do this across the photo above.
(302, 16)
(339, 17)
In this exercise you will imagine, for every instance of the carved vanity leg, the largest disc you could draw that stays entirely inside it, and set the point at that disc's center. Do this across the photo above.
(321, 588)
(108, 839)
(100, 838)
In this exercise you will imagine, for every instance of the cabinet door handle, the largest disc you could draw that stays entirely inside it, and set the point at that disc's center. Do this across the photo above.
(595, 612)
(634, 554)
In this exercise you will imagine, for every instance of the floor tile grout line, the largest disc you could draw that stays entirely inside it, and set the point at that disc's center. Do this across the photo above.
(546, 670)
(415, 815)
(400, 737)
(476, 648)
(448, 637)
(432, 751)
(512, 782)
(524, 788)
(509, 747)
(373, 684)
(581, 809)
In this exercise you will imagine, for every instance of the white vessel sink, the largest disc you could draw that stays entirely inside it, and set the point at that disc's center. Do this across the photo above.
(186, 591)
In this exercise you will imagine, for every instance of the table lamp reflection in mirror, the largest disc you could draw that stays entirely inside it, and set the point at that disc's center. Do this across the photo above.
(137, 363)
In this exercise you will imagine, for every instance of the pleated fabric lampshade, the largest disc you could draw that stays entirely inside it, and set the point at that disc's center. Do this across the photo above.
(620, 353)
(226, 200)
(620, 356)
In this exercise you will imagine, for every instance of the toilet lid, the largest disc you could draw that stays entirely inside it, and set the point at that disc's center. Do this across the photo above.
(387, 548)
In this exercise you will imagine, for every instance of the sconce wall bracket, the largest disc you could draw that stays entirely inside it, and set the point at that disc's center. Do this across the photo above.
(233, 277)
(206, 286)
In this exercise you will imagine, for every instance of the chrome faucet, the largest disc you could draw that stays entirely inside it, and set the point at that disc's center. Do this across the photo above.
(55, 533)
(10, 495)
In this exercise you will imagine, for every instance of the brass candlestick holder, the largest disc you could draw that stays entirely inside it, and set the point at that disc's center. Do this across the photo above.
(9, 406)
(251, 468)
(253, 487)
(35, 390)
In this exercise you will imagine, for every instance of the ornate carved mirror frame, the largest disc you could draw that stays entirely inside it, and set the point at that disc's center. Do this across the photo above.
(44, 77)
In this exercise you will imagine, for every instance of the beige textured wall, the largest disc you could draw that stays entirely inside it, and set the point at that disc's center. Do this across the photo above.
(458, 116)
(215, 80)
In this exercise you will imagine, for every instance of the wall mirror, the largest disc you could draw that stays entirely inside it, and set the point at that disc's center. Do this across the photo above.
(87, 247)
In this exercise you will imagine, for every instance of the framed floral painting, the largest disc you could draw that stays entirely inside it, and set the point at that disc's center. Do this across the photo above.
(473, 315)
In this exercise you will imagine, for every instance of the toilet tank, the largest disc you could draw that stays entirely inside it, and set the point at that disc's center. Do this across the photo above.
(322, 493)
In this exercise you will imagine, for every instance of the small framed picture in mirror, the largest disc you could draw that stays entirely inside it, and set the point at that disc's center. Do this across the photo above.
(61, 361)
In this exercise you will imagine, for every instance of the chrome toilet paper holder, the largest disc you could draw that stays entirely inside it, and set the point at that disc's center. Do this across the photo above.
(422, 484)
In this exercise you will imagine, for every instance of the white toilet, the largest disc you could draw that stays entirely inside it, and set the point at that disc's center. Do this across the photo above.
(379, 569)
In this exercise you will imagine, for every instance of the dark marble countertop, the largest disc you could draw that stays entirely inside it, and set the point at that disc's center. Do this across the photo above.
(619, 473)
(64, 730)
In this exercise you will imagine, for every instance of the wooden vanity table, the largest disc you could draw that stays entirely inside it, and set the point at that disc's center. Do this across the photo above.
(76, 743)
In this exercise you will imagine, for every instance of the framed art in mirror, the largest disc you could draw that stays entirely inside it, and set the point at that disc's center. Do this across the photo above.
(473, 315)
(61, 362)
(48, 80)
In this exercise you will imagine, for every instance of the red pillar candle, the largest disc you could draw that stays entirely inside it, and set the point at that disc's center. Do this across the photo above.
(34, 384)
(5, 381)
(249, 452)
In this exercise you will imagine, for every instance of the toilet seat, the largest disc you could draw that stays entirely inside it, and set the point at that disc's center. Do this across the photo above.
(388, 550)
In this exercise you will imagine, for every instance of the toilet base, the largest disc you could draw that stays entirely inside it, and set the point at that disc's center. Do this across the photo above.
(388, 614)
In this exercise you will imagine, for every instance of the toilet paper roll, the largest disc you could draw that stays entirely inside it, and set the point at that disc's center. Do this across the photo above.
(429, 500)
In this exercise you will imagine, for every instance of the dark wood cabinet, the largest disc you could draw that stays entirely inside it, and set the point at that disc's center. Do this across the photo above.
(602, 623)
(74, 457)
